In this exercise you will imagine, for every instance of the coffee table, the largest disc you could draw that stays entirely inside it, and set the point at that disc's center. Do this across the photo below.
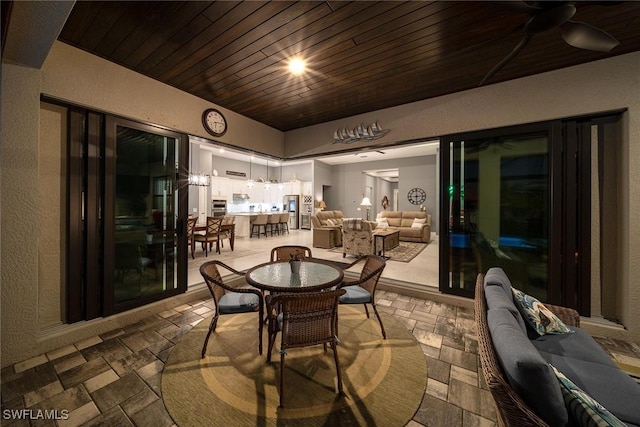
(384, 240)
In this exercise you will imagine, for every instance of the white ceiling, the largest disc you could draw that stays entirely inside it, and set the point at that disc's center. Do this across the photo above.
(427, 148)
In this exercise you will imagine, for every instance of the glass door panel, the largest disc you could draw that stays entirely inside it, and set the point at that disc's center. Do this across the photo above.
(498, 211)
(143, 244)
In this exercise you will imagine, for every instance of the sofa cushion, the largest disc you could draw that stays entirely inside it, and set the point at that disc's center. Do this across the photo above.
(586, 411)
(537, 315)
(410, 232)
(497, 276)
(527, 372)
(578, 345)
(414, 214)
(496, 299)
(611, 387)
(406, 222)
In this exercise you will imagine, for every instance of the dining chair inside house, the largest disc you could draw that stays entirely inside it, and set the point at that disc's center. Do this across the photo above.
(363, 290)
(274, 223)
(289, 252)
(284, 222)
(260, 222)
(191, 226)
(230, 300)
(212, 234)
(131, 258)
(226, 233)
(304, 319)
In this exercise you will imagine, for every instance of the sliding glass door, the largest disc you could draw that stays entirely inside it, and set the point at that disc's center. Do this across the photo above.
(127, 240)
(141, 214)
(497, 209)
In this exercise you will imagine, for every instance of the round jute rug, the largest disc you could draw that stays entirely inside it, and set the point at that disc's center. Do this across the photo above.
(384, 380)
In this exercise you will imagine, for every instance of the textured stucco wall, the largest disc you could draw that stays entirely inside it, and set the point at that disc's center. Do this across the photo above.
(52, 213)
(20, 211)
(74, 75)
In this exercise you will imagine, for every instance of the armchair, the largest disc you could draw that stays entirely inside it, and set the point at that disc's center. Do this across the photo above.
(330, 222)
(357, 237)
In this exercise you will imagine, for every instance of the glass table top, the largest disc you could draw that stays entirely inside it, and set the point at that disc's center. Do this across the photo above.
(277, 276)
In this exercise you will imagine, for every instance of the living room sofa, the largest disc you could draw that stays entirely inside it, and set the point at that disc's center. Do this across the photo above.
(517, 364)
(403, 221)
(329, 226)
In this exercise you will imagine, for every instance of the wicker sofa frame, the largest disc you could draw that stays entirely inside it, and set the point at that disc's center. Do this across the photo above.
(512, 410)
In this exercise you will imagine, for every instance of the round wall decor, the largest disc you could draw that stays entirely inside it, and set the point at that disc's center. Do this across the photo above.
(417, 196)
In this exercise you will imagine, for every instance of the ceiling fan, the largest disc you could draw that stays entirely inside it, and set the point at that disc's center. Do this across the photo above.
(547, 15)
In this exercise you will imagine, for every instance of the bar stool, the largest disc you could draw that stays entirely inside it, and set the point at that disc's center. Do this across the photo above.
(274, 222)
(284, 222)
(261, 221)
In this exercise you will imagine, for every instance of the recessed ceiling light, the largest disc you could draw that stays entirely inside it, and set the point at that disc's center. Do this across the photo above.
(297, 66)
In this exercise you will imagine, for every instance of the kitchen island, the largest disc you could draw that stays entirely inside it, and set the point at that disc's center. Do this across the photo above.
(244, 220)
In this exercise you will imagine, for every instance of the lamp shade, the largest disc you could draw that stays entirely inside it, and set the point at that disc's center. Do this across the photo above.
(322, 204)
(365, 202)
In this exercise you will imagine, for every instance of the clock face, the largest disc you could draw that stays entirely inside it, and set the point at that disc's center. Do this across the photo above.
(214, 122)
(416, 196)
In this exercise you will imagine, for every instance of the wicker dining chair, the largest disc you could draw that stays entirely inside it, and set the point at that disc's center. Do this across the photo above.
(191, 225)
(287, 252)
(230, 300)
(304, 319)
(363, 290)
(212, 234)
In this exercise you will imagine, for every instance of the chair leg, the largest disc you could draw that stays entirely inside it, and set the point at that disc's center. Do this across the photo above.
(212, 328)
(335, 356)
(375, 310)
(281, 378)
(260, 325)
(366, 310)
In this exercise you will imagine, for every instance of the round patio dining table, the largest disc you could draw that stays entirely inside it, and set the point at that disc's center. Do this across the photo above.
(276, 276)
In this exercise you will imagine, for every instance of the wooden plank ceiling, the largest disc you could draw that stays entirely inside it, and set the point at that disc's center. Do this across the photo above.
(362, 56)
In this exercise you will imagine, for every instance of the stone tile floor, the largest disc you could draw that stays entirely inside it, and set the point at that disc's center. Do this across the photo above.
(114, 379)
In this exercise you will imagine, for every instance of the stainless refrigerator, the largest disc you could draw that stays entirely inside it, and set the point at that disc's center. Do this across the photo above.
(292, 205)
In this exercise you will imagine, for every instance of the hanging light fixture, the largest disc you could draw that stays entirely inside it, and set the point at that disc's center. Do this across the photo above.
(281, 185)
(267, 183)
(250, 183)
(198, 179)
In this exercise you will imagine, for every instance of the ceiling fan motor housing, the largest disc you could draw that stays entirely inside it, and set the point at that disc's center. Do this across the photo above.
(549, 18)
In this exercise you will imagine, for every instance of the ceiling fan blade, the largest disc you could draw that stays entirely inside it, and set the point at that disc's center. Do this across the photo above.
(523, 43)
(585, 36)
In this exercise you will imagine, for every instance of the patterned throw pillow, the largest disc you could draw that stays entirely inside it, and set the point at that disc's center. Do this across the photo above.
(382, 222)
(539, 317)
(586, 410)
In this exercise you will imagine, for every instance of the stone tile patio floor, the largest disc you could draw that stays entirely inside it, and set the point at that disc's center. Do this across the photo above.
(114, 379)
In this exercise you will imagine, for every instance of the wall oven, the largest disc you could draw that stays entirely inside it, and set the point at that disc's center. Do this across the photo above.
(218, 207)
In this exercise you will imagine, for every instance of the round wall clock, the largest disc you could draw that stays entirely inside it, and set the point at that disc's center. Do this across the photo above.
(214, 122)
(416, 196)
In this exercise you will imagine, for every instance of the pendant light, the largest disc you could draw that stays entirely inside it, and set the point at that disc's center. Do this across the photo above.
(198, 179)
(281, 185)
(250, 183)
(267, 183)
